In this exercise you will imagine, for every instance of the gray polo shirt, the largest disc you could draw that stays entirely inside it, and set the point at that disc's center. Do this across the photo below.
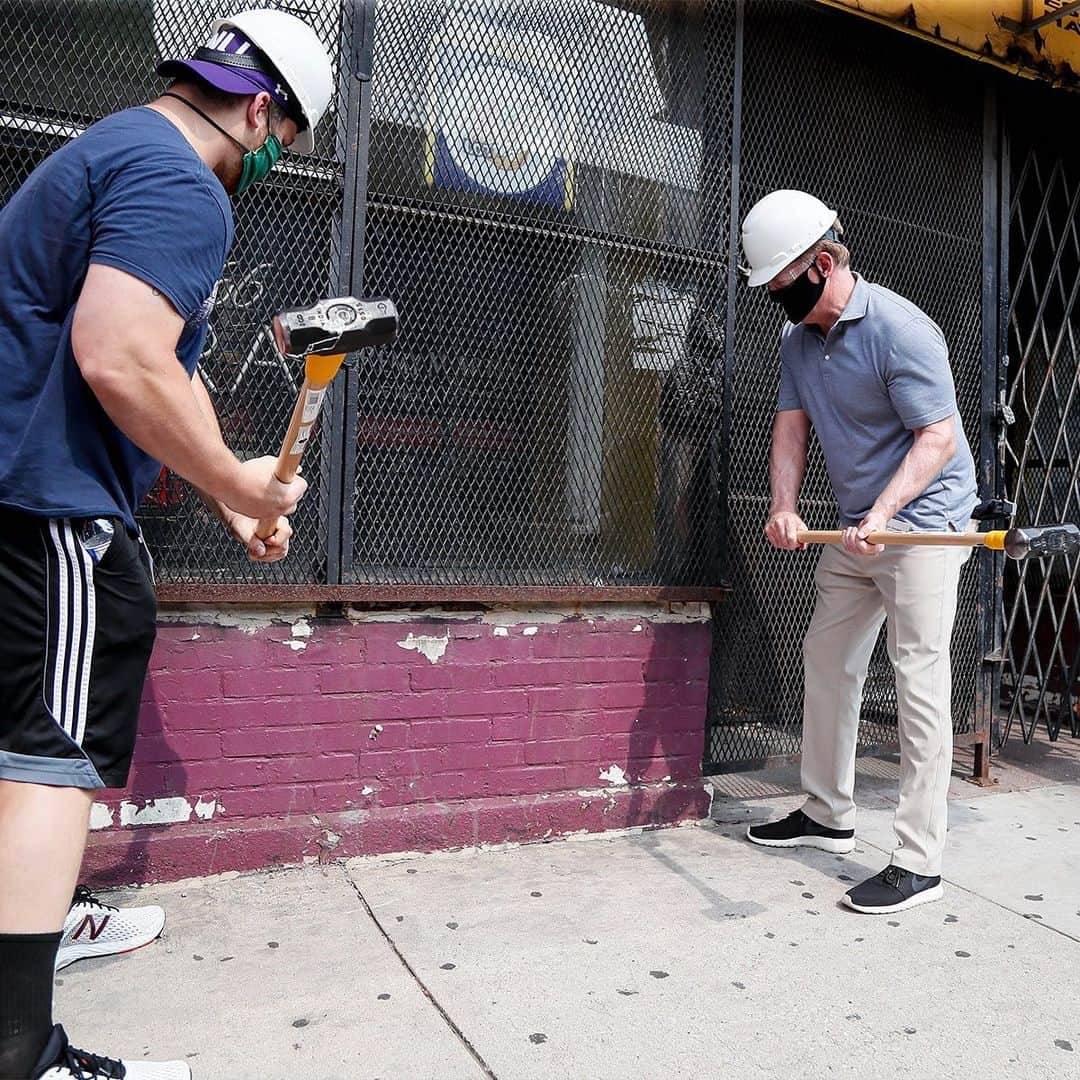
(881, 371)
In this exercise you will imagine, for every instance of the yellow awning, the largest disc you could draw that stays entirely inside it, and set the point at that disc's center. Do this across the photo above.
(1038, 39)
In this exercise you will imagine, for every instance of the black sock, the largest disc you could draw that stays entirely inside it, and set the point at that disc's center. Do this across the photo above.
(27, 962)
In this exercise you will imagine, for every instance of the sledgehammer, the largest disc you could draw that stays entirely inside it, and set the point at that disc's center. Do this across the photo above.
(1063, 539)
(322, 335)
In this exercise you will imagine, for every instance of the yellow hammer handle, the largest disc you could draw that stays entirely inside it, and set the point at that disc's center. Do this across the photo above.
(994, 540)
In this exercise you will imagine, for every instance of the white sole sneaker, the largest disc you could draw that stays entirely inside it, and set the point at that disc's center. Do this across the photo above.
(61, 1061)
(822, 843)
(105, 931)
(134, 1070)
(927, 896)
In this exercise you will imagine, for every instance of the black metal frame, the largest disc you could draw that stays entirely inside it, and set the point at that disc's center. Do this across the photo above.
(991, 434)
(342, 427)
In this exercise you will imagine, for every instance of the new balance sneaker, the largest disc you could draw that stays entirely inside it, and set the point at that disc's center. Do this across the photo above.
(61, 1061)
(797, 830)
(894, 889)
(96, 929)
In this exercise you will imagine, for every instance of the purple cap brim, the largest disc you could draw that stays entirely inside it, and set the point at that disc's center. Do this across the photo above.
(230, 80)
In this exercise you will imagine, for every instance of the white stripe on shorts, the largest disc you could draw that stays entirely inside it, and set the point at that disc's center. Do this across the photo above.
(75, 589)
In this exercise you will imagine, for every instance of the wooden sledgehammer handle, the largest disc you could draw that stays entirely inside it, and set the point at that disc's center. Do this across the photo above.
(319, 372)
(993, 540)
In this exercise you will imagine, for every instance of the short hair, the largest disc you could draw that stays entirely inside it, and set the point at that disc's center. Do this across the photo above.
(841, 255)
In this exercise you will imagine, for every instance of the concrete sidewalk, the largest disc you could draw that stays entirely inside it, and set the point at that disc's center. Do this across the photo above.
(680, 953)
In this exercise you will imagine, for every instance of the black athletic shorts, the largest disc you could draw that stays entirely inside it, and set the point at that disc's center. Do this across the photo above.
(77, 623)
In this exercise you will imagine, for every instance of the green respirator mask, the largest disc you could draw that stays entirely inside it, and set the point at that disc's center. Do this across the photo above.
(257, 163)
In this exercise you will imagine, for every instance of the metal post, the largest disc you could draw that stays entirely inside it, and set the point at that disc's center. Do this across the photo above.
(355, 90)
(995, 302)
(723, 450)
(988, 605)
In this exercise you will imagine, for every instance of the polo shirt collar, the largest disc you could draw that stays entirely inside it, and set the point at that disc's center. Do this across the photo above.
(857, 302)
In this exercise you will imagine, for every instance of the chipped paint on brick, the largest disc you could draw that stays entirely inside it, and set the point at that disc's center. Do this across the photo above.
(249, 620)
(174, 810)
(614, 776)
(506, 615)
(169, 811)
(429, 646)
(301, 631)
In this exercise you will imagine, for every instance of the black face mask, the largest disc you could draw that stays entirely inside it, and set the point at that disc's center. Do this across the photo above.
(799, 298)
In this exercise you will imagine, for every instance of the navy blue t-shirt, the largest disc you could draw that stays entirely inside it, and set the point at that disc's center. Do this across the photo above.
(130, 193)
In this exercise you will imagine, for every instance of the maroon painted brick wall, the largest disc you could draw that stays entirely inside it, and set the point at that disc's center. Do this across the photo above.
(331, 737)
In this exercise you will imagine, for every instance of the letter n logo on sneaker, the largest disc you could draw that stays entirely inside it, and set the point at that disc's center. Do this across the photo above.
(95, 927)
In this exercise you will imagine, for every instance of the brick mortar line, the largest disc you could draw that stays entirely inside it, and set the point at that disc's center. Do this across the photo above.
(420, 982)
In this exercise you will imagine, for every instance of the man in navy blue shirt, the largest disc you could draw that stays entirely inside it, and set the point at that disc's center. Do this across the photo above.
(110, 255)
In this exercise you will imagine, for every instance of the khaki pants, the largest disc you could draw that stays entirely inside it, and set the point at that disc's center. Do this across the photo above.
(915, 589)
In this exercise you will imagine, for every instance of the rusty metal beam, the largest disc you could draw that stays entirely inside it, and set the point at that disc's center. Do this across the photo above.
(207, 593)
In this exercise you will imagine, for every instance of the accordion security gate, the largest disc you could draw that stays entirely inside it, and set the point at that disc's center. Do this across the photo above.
(579, 403)
(1040, 391)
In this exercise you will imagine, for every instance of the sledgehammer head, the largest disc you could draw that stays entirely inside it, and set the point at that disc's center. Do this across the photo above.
(335, 327)
(1037, 543)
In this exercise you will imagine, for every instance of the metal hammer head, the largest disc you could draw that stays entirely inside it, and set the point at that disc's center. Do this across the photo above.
(332, 327)
(1039, 542)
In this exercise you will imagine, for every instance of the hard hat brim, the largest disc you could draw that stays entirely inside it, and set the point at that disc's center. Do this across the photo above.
(763, 276)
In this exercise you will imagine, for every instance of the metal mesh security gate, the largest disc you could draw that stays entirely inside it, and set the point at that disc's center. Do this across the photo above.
(543, 209)
(581, 396)
(543, 187)
(872, 123)
(1040, 654)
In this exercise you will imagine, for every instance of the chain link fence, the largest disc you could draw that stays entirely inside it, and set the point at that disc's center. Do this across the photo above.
(72, 62)
(529, 186)
(539, 207)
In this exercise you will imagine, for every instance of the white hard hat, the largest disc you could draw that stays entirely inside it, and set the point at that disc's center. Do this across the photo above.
(298, 54)
(779, 228)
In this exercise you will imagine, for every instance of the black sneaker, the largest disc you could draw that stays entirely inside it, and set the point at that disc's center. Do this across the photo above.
(894, 889)
(797, 830)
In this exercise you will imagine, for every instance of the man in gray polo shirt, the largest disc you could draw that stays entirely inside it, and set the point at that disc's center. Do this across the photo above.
(870, 373)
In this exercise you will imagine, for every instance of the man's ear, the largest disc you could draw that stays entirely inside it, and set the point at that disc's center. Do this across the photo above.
(824, 264)
(258, 111)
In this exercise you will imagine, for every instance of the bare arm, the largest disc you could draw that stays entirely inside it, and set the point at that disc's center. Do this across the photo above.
(932, 449)
(241, 527)
(124, 337)
(206, 407)
(787, 469)
(787, 459)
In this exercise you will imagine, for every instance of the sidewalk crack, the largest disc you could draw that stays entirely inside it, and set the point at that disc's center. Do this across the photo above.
(447, 1019)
